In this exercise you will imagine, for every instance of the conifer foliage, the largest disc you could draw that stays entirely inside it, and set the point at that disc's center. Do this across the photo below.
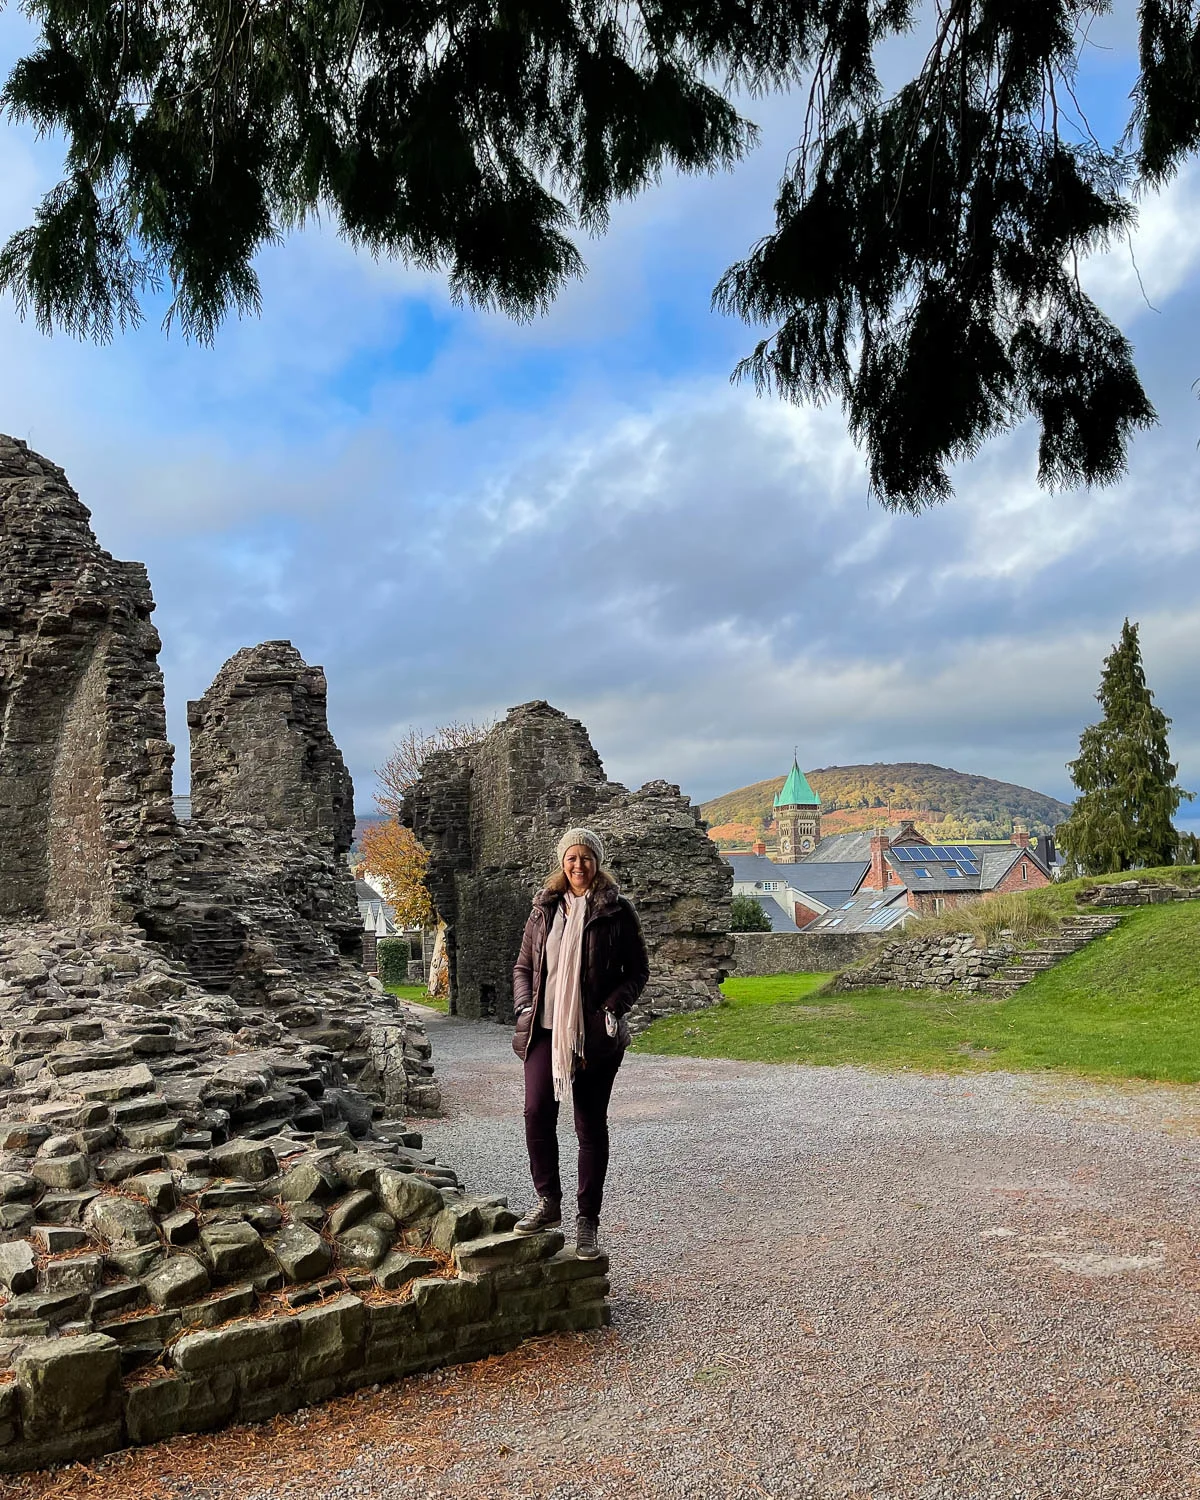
(747, 915)
(1126, 778)
(922, 270)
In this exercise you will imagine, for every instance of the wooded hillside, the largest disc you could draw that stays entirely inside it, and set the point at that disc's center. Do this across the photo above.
(952, 804)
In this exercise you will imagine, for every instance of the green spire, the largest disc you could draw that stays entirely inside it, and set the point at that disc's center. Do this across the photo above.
(796, 791)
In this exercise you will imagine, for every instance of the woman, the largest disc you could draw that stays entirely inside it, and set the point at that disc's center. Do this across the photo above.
(582, 965)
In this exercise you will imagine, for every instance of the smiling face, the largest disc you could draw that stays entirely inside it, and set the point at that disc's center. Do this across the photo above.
(579, 866)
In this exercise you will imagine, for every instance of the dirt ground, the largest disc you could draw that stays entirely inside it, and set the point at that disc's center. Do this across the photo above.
(826, 1283)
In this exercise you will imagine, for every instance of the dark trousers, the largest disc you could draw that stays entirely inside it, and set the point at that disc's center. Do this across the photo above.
(591, 1089)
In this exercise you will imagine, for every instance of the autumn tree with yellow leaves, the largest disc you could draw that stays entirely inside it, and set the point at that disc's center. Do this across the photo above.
(391, 852)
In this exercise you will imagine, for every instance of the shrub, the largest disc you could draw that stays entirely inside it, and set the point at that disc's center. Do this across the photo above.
(1025, 914)
(747, 915)
(391, 957)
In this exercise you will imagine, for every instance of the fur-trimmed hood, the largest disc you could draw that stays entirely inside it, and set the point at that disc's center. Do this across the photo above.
(608, 895)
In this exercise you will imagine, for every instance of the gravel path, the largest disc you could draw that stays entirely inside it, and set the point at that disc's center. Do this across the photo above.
(826, 1283)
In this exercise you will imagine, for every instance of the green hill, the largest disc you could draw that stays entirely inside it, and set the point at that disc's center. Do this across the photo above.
(953, 804)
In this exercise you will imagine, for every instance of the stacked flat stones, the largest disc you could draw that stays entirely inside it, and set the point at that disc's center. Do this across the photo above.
(957, 961)
(181, 1178)
(210, 1208)
(140, 1116)
(965, 963)
(1136, 893)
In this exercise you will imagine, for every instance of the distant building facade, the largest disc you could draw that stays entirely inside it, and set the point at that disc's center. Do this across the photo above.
(861, 882)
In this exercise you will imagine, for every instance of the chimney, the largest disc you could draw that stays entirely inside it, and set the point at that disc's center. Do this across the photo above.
(877, 880)
(1020, 836)
(760, 847)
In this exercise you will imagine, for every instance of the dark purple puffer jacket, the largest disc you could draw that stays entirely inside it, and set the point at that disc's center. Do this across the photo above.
(614, 973)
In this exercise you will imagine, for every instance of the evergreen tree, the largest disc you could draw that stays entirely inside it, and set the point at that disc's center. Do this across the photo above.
(922, 267)
(1126, 778)
(746, 915)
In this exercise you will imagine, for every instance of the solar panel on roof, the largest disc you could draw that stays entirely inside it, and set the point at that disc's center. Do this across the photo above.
(970, 867)
(878, 919)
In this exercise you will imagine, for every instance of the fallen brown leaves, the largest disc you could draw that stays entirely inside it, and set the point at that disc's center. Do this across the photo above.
(409, 1418)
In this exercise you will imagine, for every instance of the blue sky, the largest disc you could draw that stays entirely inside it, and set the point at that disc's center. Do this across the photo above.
(454, 513)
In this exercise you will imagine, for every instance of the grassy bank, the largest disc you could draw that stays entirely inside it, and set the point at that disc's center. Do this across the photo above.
(1029, 914)
(1126, 1006)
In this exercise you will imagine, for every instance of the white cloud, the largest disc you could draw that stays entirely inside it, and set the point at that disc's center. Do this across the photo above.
(460, 518)
(1140, 275)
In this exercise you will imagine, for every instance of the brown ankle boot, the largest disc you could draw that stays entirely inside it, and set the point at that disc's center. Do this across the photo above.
(547, 1215)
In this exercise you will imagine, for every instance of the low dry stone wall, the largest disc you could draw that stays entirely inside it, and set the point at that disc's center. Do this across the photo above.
(1136, 893)
(798, 952)
(928, 963)
(229, 1333)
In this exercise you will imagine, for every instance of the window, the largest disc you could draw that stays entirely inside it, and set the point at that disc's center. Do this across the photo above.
(847, 905)
(921, 870)
(1024, 872)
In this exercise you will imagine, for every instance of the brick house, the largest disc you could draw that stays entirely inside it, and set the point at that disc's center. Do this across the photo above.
(939, 877)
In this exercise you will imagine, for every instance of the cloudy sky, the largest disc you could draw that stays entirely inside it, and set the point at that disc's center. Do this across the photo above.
(454, 514)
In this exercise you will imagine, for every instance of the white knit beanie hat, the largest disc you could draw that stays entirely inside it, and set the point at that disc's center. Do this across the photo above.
(583, 836)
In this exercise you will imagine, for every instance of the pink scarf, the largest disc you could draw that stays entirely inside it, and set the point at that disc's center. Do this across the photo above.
(567, 1035)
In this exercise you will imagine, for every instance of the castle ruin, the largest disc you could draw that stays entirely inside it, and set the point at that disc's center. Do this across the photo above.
(211, 1209)
(491, 813)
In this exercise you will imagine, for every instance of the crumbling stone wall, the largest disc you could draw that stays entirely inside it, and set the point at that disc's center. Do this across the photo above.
(262, 752)
(85, 766)
(948, 961)
(490, 814)
(198, 1086)
(1135, 892)
(195, 1187)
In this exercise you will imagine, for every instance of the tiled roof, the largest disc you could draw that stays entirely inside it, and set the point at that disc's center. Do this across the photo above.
(780, 921)
(845, 846)
(869, 911)
(827, 898)
(755, 867)
(835, 876)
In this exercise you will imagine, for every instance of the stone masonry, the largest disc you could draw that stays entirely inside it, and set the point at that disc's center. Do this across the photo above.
(963, 962)
(85, 765)
(798, 952)
(262, 751)
(490, 814)
(209, 1208)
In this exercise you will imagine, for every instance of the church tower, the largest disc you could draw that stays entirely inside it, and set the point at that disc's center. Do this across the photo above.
(798, 814)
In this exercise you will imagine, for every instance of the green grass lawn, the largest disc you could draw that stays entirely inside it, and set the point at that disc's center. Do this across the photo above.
(1126, 1006)
(416, 994)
